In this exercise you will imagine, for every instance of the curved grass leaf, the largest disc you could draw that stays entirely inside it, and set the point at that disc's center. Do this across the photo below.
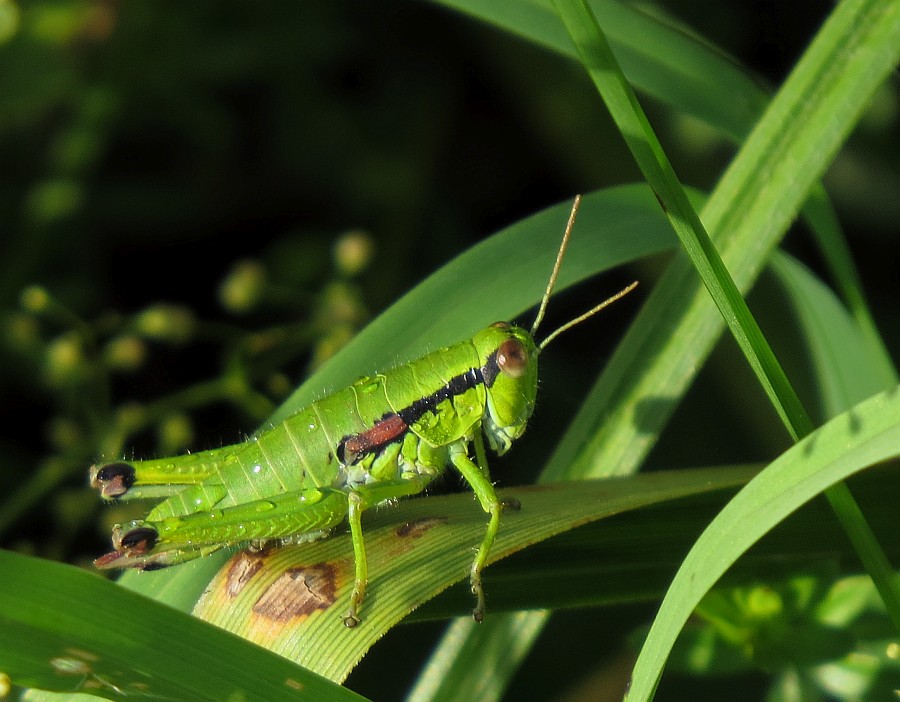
(66, 630)
(842, 363)
(292, 600)
(863, 436)
(659, 57)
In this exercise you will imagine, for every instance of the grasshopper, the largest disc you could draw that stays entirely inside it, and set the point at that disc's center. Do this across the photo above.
(384, 437)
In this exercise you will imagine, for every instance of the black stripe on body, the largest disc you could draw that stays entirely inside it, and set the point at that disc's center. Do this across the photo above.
(457, 385)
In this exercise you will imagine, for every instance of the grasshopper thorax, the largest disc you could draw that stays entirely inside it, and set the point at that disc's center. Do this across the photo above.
(509, 367)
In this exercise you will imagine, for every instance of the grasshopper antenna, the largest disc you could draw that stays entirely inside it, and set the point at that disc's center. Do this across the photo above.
(554, 274)
(590, 313)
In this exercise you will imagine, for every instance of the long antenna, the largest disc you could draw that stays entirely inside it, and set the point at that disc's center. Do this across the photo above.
(555, 273)
(594, 310)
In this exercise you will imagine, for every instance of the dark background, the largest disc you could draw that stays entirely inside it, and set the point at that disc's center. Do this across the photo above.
(145, 147)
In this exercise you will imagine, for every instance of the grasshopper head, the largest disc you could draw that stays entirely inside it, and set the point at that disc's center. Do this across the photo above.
(509, 366)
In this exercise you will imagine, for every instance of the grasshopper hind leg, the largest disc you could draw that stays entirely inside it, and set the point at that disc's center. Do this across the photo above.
(169, 540)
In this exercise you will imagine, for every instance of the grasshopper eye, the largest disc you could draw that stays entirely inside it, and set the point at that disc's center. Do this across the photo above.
(512, 358)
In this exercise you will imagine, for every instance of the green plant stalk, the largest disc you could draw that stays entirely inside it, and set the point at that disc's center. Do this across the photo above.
(623, 105)
(626, 111)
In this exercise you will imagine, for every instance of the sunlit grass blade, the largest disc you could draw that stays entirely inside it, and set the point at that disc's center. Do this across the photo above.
(601, 64)
(66, 630)
(818, 82)
(863, 436)
(291, 601)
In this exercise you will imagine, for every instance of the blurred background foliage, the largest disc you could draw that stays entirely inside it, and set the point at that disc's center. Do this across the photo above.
(200, 201)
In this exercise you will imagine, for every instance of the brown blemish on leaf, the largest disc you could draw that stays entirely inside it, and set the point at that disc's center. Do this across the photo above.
(417, 528)
(241, 570)
(294, 684)
(299, 592)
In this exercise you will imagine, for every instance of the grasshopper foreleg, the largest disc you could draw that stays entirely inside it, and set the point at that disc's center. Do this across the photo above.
(479, 479)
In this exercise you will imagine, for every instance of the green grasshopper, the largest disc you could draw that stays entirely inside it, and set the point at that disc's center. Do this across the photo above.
(384, 437)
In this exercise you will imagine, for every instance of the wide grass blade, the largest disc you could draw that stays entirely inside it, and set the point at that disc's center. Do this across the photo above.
(865, 435)
(292, 600)
(810, 94)
(64, 629)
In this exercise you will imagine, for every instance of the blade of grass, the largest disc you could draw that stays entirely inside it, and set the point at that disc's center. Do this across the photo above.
(292, 600)
(622, 103)
(846, 370)
(64, 629)
(819, 214)
(449, 676)
(809, 81)
(863, 436)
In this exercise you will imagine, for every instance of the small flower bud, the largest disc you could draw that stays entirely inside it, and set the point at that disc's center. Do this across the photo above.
(243, 287)
(64, 361)
(175, 433)
(34, 299)
(353, 252)
(125, 353)
(164, 322)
